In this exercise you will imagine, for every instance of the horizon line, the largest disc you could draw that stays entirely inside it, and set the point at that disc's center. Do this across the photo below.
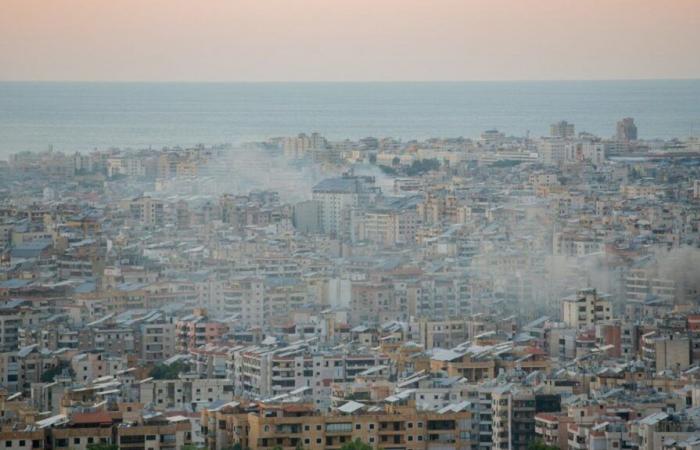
(539, 80)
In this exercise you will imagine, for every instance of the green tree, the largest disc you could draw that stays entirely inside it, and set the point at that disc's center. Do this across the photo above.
(387, 170)
(118, 176)
(168, 372)
(102, 447)
(422, 166)
(356, 445)
(49, 375)
(506, 163)
(539, 445)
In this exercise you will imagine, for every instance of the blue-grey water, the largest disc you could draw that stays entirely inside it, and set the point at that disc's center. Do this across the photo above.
(83, 116)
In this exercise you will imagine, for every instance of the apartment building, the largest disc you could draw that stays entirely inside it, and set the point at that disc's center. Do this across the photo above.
(157, 341)
(117, 340)
(283, 296)
(513, 417)
(16, 314)
(585, 309)
(127, 166)
(245, 299)
(266, 426)
(197, 329)
(443, 297)
(552, 151)
(20, 368)
(337, 196)
(562, 129)
(261, 373)
(184, 394)
(553, 429)
(644, 282)
(92, 365)
(442, 333)
(81, 430)
(254, 301)
(483, 362)
(147, 211)
(394, 222)
(23, 439)
(666, 352)
(373, 302)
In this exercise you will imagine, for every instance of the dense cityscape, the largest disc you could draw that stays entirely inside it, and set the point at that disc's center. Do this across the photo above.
(500, 292)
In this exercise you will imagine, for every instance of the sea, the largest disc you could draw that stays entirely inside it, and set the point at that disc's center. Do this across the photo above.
(81, 116)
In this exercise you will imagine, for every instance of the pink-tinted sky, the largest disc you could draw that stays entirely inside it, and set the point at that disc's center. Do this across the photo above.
(337, 40)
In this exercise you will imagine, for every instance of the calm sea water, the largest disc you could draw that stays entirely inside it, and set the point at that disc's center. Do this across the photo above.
(83, 116)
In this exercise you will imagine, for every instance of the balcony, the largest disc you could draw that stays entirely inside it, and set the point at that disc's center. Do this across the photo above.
(288, 429)
(441, 425)
(447, 438)
(391, 427)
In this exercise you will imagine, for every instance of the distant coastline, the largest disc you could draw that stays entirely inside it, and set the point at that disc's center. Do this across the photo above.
(80, 116)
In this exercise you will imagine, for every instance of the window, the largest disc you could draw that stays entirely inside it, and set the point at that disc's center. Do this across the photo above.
(76, 441)
(339, 427)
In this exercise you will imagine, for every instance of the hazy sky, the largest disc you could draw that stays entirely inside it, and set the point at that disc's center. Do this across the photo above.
(262, 40)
